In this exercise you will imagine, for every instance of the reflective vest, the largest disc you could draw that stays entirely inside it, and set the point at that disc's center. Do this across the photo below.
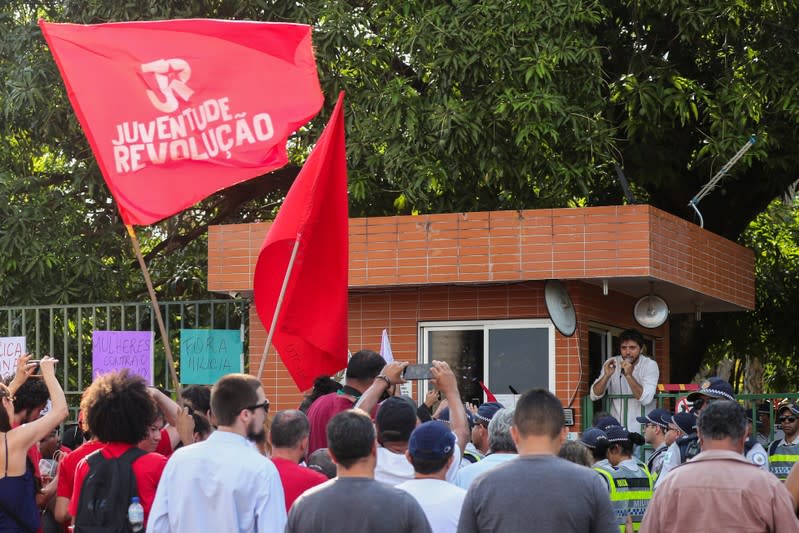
(630, 493)
(781, 458)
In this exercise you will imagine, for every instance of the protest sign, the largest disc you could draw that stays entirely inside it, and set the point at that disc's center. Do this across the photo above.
(11, 348)
(208, 354)
(115, 350)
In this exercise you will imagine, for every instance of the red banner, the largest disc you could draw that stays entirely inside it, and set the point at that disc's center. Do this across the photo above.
(177, 110)
(311, 330)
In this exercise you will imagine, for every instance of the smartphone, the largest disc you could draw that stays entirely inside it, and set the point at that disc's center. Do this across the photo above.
(417, 372)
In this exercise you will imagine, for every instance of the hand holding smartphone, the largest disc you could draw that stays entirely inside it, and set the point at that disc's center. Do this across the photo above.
(417, 372)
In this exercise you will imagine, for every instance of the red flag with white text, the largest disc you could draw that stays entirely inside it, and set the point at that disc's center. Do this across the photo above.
(176, 110)
(311, 330)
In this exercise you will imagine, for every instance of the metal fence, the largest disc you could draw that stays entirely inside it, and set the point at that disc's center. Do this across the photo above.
(65, 332)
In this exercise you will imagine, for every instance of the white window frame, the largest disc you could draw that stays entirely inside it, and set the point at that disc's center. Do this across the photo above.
(423, 355)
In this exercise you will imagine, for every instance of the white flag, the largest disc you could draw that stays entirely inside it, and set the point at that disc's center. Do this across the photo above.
(385, 348)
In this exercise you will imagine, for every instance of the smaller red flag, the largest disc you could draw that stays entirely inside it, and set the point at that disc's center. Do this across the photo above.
(489, 396)
(311, 330)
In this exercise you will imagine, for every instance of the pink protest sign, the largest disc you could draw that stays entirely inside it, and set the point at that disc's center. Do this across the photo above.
(115, 350)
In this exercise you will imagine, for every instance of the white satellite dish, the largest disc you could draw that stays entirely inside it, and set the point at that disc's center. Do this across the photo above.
(560, 307)
(651, 311)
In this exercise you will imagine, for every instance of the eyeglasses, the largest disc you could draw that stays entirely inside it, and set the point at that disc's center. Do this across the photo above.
(787, 419)
(264, 404)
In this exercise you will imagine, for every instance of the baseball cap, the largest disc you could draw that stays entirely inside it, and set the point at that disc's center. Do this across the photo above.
(592, 436)
(792, 407)
(617, 434)
(685, 421)
(396, 418)
(443, 416)
(714, 387)
(655, 416)
(605, 422)
(431, 440)
(487, 410)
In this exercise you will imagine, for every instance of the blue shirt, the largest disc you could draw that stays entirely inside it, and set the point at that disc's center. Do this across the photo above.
(469, 473)
(221, 484)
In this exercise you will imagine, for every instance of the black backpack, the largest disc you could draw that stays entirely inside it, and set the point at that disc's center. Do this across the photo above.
(689, 447)
(106, 493)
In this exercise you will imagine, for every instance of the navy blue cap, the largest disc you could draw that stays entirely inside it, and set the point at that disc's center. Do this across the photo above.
(685, 421)
(487, 410)
(592, 436)
(792, 407)
(656, 416)
(431, 440)
(617, 434)
(443, 415)
(714, 387)
(605, 422)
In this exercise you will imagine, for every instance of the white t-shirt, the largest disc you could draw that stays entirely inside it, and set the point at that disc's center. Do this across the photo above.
(441, 502)
(394, 468)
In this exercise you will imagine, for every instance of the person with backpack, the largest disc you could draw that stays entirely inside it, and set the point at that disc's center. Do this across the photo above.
(107, 480)
(18, 510)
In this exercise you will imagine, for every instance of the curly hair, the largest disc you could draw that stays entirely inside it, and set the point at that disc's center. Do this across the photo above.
(119, 408)
(31, 395)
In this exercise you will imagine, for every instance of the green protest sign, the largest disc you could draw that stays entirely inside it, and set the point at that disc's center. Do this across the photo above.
(208, 354)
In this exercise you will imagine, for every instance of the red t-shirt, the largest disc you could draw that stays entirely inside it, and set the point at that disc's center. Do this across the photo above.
(321, 411)
(147, 469)
(165, 444)
(296, 479)
(68, 465)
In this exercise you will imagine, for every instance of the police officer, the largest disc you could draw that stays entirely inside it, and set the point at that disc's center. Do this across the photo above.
(655, 435)
(783, 453)
(629, 482)
(684, 447)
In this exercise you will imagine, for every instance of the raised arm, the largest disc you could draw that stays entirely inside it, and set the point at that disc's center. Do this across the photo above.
(445, 381)
(27, 435)
(171, 411)
(390, 376)
(24, 371)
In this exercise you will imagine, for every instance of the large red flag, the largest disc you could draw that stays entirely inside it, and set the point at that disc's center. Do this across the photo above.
(176, 110)
(311, 331)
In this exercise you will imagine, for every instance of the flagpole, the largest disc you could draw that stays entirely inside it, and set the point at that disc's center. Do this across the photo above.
(157, 310)
(279, 304)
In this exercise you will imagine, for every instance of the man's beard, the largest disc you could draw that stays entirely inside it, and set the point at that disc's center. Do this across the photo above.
(255, 432)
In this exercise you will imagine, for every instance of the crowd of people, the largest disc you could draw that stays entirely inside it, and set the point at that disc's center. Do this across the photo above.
(359, 456)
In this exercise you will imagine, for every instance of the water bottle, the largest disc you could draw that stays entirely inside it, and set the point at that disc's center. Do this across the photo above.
(136, 514)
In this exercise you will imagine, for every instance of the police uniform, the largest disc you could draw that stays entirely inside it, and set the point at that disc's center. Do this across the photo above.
(630, 485)
(782, 455)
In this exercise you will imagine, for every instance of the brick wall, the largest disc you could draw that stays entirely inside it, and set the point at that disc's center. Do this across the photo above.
(401, 311)
(492, 265)
(500, 246)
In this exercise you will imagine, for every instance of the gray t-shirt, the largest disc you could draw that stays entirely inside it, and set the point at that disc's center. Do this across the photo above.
(538, 492)
(356, 504)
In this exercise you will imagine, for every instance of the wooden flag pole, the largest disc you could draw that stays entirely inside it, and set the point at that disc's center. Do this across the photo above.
(279, 305)
(157, 310)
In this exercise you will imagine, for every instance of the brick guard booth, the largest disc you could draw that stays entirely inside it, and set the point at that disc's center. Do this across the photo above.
(468, 288)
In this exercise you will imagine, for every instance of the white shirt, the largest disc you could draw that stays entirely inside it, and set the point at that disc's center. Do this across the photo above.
(221, 484)
(394, 468)
(646, 373)
(441, 502)
(468, 474)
